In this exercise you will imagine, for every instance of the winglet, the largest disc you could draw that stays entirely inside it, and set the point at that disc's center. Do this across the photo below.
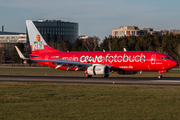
(20, 54)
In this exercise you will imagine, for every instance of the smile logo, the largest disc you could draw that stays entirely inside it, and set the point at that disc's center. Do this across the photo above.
(38, 44)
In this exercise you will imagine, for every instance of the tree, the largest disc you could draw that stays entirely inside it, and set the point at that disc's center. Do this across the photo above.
(77, 45)
(104, 44)
(137, 47)
(123, 43)
(132, 40)
(109, 44)
(175, 31)
(91, 43)
(115, 44)
(1, 55)
(65, 46)
(168, 44)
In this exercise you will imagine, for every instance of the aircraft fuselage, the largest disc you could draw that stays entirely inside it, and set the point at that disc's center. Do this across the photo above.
(127, 61)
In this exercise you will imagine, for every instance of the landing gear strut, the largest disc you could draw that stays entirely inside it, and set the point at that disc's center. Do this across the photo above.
(161, 71)
(160, 76)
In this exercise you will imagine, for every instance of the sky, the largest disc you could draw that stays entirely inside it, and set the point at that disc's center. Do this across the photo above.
(95, 17)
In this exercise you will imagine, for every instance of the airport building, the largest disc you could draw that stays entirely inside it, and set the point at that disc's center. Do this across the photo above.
(9, 39)
(12, 37)
(57, 30)
(83, 37)
(133, 30)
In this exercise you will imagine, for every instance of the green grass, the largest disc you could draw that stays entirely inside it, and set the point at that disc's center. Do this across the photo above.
(86, 102)
(38, 71)
(51, 71)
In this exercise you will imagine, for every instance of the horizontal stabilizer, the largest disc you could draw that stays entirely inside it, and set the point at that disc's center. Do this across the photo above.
(20, 54)
(23, 54)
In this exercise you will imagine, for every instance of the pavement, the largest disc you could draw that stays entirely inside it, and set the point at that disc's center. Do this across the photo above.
(93, 80)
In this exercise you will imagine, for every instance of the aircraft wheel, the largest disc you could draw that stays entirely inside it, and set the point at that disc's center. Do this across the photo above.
(160, 77)
(87, 75)
(106, 76)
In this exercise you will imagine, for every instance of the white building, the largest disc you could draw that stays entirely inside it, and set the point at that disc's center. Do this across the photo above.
(9, 39)
(13, 38)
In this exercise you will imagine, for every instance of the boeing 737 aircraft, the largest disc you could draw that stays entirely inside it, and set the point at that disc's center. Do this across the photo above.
(95, 63)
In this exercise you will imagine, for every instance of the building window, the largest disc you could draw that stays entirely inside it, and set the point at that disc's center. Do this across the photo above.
(119, 32)
(125, 32)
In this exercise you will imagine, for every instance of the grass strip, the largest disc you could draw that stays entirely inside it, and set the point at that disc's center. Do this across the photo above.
(86, 102)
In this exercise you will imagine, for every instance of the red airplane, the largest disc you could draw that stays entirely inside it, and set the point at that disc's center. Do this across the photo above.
(95, 63)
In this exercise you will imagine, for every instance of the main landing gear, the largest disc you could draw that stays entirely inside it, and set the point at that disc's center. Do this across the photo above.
(89, 76)
(106, 76)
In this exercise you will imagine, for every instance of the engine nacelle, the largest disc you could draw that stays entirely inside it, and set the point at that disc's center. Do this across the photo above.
(98, 70)
(127, 72)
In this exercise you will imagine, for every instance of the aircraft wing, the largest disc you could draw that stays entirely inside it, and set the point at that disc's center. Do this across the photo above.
(69, 64)
(64, 62)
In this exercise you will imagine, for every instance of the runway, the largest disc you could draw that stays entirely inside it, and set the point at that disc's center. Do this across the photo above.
(93, 80)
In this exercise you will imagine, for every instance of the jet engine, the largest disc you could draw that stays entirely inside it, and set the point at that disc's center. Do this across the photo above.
(127, 72)
(98, 70)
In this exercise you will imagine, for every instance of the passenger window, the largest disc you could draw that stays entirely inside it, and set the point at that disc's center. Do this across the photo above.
(164, 58)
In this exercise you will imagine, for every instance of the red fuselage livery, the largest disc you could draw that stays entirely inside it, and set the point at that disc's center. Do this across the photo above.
(96, 63)
(127, 61)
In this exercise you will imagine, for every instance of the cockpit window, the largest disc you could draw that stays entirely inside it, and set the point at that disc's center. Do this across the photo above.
(164, 58)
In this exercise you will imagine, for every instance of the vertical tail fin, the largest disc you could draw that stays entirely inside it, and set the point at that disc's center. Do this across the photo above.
(37, 43)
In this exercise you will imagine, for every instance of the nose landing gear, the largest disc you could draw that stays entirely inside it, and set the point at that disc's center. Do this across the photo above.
(160, 76)
(161, 71)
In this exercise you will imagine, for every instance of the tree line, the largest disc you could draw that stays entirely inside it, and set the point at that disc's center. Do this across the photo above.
(168, 44)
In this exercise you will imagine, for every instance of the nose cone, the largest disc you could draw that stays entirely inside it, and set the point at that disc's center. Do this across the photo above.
(173, 63)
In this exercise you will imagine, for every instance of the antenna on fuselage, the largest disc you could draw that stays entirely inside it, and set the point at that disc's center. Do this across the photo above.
(124, 49)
